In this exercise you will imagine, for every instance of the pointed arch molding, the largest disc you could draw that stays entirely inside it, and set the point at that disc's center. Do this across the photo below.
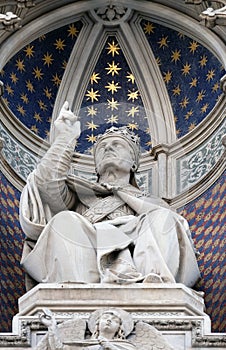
(143, 66)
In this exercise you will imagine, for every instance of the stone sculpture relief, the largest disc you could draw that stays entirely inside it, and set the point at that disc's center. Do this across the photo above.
(103, 232)
(110, 329)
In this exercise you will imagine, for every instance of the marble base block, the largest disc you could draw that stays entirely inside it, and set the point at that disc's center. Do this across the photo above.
(173, 309)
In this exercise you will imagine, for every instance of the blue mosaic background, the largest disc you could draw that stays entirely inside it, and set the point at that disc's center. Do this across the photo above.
(191, 74)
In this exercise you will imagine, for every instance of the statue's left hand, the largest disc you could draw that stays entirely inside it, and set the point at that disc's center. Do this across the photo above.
(67, 123)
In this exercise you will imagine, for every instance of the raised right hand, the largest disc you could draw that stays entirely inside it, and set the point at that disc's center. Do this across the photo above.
(67, 123)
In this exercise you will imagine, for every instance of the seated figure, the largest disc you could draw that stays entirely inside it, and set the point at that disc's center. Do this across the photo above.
(108, 231)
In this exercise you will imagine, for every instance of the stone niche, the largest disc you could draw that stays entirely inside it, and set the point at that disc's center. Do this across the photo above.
(175, 311)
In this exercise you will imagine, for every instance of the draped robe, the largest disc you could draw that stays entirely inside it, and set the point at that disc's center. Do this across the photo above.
(79, 232)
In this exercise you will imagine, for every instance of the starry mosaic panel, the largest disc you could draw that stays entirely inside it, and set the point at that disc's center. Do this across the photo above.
(11, 238)
(191, 73)
(207, 220)
(112, 98)
(32, 77)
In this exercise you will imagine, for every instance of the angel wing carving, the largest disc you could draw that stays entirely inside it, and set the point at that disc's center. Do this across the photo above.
(149, 338)
(68, 332)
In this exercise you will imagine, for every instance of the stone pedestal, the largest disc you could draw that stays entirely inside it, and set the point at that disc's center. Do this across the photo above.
(175, 310)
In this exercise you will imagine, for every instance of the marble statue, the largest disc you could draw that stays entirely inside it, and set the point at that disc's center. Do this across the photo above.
(103, 232)
(110, 328)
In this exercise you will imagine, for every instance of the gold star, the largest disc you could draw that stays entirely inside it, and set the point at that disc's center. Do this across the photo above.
(178, 131)
(59, 44)
(203, 61)
(42, 105)
(21, 110)
(56, 79)
(193, 46)
(193, 82)
(48, 93)
(175, 55)
(48, 134)
(133, 111)
(29, 51)
(112, 104)
(167, 77)
(24, 98)
(72, 31)
(133, 95)
(191, 126)
(94, 78)
(6, 101)
(184, 102)
(91, 138)
(92, 111)
(210, 74)
(20, 65)
(113, 48)
(37, 117)
(201, 95)
(113, 119)
(2, 72)
(176, 90)
(34, 129)
(14, 78)
(92, 126)
(42, 37)
(130, 77)
(132, 126)
(113, 87)
(113, 68)
(30, 86)
(158, 61)
(64, 64)
(186, 69)
(189, 114)
(92, 95)
(148, 143)
(149, 28)
(48, 59)
(9, 89)
(181, 35)
(163, 42)
(204, 108)
(38, 73)
(215, 87)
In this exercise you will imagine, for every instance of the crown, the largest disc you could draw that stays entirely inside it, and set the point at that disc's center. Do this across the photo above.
(126, 134)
